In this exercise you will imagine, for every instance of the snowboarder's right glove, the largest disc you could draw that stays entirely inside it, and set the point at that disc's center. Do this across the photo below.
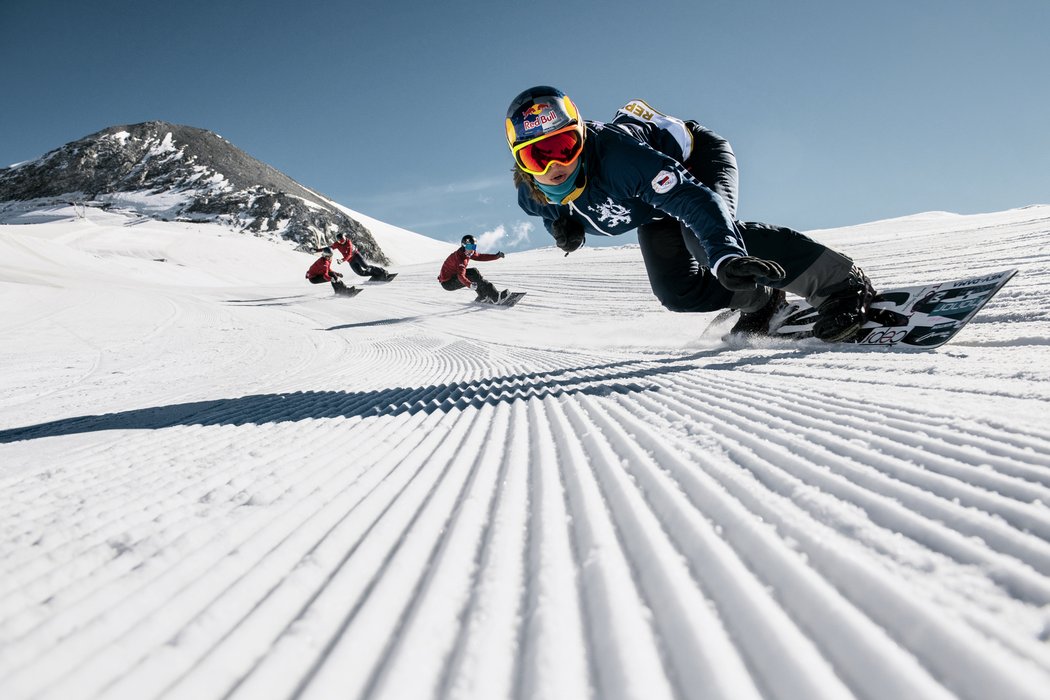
(739, 274)
(568, 233)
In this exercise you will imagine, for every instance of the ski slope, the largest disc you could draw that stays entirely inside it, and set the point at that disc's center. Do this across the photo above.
(219, 481)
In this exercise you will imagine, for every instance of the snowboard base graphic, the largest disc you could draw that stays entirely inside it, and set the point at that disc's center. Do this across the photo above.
(922, 316)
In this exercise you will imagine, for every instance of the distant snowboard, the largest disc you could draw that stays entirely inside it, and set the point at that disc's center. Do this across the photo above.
(512, 299)
(348, 292)
(383, 278)
(924, 316)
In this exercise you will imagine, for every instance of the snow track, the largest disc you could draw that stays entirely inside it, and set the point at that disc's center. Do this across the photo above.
(263, 492)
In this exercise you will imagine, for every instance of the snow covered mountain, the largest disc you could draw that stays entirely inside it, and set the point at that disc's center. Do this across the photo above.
(219, 481)
(180, 173)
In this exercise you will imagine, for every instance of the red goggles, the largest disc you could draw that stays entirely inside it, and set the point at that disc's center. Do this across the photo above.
(563, 146)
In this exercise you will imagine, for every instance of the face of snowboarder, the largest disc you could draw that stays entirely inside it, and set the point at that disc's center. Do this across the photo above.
(556, 174)
(470, 248)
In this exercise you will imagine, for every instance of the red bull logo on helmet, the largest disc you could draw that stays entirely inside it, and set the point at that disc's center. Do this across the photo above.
(536, 109)
(541, 119)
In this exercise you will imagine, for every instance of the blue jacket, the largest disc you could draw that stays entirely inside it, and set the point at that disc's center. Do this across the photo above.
(634, 177)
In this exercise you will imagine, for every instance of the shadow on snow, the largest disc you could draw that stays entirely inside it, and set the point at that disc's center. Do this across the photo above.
(600, 380)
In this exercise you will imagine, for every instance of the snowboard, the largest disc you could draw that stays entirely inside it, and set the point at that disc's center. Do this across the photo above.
(348, 292)
(512, 299)
(383, 278)
(923, 316)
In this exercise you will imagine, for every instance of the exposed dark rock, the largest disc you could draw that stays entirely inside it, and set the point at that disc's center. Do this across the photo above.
(183, 173)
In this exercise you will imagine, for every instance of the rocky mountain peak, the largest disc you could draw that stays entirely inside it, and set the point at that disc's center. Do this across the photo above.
(183, 173)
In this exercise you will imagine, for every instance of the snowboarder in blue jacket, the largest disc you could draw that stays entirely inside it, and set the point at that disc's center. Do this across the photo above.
(676, 183)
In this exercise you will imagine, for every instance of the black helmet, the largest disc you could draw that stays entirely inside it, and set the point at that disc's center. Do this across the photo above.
(538, 111)
(326, 251)
(468, 240)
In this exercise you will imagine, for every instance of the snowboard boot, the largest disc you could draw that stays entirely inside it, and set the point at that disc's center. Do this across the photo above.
(755, 323)
(841, 316)
(487, 292)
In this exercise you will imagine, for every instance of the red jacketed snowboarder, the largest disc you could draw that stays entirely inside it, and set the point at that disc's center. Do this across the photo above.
(358, 264)
(321, 271)
(456, 275)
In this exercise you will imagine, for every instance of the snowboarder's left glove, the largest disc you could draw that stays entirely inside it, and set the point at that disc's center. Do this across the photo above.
(500, 254)
(739, 274)
(568, 233)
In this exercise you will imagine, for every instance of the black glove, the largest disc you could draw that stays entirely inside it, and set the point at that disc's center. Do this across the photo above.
(568, 233)
(500, 254)
(739, 274)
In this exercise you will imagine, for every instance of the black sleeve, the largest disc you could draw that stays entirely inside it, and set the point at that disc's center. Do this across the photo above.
(713, 163)
(662, 183)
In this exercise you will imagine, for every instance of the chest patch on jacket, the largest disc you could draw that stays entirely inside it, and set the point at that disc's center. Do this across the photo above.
(611, 213)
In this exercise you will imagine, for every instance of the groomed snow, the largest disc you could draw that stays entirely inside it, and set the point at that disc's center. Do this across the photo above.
(219, 481)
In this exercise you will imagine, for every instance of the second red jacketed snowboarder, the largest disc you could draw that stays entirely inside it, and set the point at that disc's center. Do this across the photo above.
(455, 274)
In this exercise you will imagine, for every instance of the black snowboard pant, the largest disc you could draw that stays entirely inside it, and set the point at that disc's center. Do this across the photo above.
(363, 268)
(682, 280)
(677, 265)
(486, 290)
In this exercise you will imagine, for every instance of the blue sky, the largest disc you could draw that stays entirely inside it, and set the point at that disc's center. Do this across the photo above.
(840, 112)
